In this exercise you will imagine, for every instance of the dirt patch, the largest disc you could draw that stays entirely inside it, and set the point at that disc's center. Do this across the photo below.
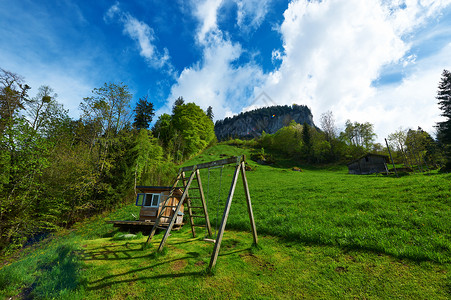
(200, 263)
(257, 261)
(179, 264)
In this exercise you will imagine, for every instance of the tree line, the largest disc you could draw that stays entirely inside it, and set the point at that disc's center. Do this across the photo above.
(415, 149)
(55, 170)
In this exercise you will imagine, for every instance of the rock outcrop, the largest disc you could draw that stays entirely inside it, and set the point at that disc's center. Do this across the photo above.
(251, 124)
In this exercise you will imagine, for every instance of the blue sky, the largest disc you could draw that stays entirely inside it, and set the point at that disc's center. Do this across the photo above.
(376, 61)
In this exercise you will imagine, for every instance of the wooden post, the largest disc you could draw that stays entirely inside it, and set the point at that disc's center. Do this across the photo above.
(214, 255)
(248, 201)
(174, 217)
(204, 204)
(393, 162)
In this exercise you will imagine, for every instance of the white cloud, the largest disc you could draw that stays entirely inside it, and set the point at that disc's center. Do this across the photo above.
(411, 103)
(206, 13)
(215, 80)
(143, 35)
(251, 13)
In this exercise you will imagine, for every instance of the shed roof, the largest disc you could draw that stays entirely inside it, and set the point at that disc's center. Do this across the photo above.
(368, 155)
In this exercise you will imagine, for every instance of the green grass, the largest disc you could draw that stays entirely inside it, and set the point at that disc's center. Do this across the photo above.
(322, 234)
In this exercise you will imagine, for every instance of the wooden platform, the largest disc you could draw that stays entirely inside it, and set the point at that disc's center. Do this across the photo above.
(141, 225)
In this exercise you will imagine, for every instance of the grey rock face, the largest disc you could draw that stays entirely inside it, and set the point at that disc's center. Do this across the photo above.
(251, 124)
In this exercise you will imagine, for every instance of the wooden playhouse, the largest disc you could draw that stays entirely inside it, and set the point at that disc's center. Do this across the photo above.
(151, 199)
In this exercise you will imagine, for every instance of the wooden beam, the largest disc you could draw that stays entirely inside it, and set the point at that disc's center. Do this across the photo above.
(221, 162)
(214, 255)
(248, 201)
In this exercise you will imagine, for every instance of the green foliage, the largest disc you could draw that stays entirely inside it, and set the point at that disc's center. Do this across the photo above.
(359, 134)
(56, 171)
(287, 139)
(195, 127)
(186, 132)
(24, 160)
(108, 108)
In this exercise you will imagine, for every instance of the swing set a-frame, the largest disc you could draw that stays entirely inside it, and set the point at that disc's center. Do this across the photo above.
(193, 192)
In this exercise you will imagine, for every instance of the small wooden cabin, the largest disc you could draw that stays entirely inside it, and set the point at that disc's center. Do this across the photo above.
(151, 199)
(369, 164)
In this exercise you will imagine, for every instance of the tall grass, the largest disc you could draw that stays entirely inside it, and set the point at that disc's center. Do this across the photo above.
(407, 217)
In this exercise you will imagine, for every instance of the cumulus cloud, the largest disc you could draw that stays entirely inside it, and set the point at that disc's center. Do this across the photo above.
(215, 80)
(143, 35)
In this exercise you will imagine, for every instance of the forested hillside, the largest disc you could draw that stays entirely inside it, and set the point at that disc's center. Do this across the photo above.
(55, 170)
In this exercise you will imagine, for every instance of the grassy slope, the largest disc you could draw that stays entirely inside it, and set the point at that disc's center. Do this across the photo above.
(322, 233)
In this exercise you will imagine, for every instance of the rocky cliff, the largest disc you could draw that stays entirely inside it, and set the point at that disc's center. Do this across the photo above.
(251, 124)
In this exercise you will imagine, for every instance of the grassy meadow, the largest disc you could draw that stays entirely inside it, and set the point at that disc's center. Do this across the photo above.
(322, 234)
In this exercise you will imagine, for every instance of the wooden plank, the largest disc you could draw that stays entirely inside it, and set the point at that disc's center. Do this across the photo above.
(214, 255)
(174, 217)
(248, 201)
(221, 162)
(204, 203)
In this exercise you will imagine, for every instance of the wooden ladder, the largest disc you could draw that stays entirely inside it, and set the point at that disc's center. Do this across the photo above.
(199, 208)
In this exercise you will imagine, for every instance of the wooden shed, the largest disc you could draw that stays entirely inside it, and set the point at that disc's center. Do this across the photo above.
(151, 199)
(369, 164)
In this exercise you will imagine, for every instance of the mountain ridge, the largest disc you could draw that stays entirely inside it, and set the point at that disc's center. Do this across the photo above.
(251, 124)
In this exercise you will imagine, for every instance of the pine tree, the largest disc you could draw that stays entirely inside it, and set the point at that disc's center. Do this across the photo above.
(210, 113)
(444, 102)
(144, 113)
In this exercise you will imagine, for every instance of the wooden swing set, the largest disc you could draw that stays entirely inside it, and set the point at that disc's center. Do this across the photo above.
(194, 192)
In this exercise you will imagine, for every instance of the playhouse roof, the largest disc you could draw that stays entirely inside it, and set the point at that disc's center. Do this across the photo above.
(144, 188)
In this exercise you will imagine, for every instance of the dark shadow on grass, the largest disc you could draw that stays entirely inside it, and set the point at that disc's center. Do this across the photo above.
(102, 284)
(176, 275)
